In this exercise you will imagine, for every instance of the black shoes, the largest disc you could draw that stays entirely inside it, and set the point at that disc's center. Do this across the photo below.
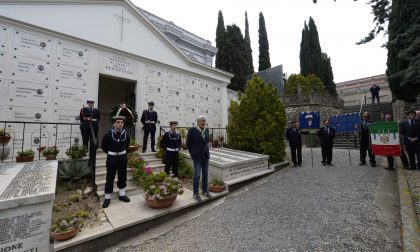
(300, 165)
(106, 203)
(153, 150)
(197, 197)
(143, 151)
(373, 164)
(295, 165)
(324, 163)
(330, 164)
(124, 198)
(362, 163)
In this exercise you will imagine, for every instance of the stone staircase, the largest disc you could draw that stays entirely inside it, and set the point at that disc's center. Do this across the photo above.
(376, 111)
(132, 188)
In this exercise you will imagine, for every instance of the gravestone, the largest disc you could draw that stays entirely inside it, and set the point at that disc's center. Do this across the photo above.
(27, 192)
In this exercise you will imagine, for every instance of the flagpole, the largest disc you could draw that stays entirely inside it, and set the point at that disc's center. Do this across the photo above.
(348, 148)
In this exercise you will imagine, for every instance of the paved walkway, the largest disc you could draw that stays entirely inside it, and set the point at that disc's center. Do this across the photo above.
(340, 208)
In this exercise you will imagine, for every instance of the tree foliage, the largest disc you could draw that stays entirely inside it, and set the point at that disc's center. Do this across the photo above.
(257, 121)
(300, 84)
(236, 61)
(248, 47)
(220, 38)
(264, 57)
(327, 74)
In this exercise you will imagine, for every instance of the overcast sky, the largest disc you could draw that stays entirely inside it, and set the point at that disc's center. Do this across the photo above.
(340, 24)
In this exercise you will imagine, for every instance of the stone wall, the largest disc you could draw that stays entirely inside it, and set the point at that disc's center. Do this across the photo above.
(292, 112)
(400, 108)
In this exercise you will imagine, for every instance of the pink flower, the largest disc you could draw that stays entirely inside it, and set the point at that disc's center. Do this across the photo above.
(148, 170)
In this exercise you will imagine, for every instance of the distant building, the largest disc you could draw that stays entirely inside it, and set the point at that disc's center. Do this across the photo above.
(195, 47)
(273, 75)
(352, 91)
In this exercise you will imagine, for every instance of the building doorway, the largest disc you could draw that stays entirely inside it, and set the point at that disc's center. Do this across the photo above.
(114, 91)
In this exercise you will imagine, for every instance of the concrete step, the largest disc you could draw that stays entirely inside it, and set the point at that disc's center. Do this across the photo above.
(130, 190)
(101, 175)
(100, 184)
(152, 161)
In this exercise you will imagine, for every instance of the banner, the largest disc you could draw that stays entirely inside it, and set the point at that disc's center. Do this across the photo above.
(346, 122)
(309, 120)
(384, 138)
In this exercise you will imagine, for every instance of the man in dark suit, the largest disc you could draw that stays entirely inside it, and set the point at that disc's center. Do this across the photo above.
(365, 141)
(89, 118)
(374, 90)
(327, 135)
(410, 130)
(149, 118)
(197, 144)
(293, 134)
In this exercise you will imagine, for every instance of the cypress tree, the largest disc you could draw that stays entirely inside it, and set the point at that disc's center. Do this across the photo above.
(220, 38)
(327, 75)
(248, 46)
(264, 57)
(236, 63)
(315, 57)
(304, 51)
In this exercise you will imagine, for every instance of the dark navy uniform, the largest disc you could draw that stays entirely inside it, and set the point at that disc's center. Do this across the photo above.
(171, 142)
(295, 143)
(88, 116)
(365, 143)
(115, 144)
(327, 135)
(149, 120)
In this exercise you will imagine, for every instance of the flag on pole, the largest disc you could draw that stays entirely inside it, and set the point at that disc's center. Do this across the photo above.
(384, 139)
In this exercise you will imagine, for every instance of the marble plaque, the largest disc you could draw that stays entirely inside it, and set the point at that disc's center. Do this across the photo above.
(28, 94)
(4, 35)
(30, 44)
(31, 114)
(30, 69)
(154, 74)
(215, 88)
(190, 97)
(26, 197)
(4, 90)
(154, 91)
(203, 98)
(118, 65)
(173, 93)
(72, 54)
(174, 79)
(3, 64)
(70, 76)
(69, 98)
(203, 86)
(67, 116)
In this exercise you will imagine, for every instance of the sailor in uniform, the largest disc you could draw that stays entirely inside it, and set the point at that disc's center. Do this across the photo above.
(171, 142)
(115, 143)
(89, 117)
(149, 118)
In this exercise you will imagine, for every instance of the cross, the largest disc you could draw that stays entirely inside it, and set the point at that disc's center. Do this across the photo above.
(122, 22)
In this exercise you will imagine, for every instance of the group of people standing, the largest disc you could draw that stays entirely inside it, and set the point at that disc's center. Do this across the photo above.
(409, 130)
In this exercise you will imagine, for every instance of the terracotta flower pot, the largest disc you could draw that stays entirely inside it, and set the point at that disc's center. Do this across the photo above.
(133, 148)
(51, 157)
(216, 188)
(66, 235)
(5, 139)
(161, 203)
(25, 159)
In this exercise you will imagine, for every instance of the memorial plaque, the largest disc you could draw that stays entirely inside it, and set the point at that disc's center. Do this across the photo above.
(28, 94)
(154, 74)
(4, 38)
(118, 65)
(31, 114)
(4, 90)
(3, 64)
(203, 98)
(69, 98)
(173, 93)
(30, 69)
(66, 116)
(154, 91)
(26, 199)
(203, 85)
(190, 97)
(73, 55)
(174, 79)
(70, 76)
(30, 44)
(215, 88)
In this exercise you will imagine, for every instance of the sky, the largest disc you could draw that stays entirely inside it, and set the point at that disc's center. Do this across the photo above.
(340, 25)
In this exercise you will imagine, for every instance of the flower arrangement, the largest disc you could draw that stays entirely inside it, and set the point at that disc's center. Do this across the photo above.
(129, 113)
(77, 151)
(140, 170)
(159, 185)
(50, 151)
(25, 156)
(5, 135)
(216, 185)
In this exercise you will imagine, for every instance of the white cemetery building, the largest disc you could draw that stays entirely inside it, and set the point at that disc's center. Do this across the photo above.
(56, 54)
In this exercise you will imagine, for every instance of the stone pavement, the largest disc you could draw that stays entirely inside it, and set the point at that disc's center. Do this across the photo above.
(340, 208)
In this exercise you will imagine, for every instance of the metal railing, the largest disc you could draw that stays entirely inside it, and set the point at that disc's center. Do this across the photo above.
(217, 136)
(289, 100)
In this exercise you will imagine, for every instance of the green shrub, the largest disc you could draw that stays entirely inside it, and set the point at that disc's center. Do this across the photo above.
(74, 170)
(77, 151)
(217, 182)
(74, 198)
(184, 170)
(26, 153)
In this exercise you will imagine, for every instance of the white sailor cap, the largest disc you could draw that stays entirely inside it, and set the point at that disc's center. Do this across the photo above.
(90, 100)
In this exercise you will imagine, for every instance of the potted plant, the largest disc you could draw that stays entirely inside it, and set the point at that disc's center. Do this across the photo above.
(216, 185)
(161, 190)
(5, 136)
(77, 151)
(50, 153)
(64, 229)
(25, 156)
(133, 147)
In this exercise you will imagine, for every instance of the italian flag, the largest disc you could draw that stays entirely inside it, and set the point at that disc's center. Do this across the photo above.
(384, 139)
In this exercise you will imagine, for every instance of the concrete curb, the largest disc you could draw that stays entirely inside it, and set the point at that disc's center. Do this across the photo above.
(409, 223)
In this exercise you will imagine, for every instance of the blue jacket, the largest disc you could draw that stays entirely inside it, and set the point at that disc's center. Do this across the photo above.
(197, 145)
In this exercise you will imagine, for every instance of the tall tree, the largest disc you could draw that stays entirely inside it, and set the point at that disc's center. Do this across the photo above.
(248, 46)
(305, 51)
(236, 63)
(220, 38)
(264, 57)
(315, 57)
(327, 74)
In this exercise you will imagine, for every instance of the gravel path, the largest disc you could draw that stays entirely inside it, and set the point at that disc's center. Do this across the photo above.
(340, 208)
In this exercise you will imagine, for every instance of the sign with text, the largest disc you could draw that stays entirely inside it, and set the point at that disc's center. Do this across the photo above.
(30, 69)
(27, 114)
(30, 44)
(70, 76)
(69, 97)
(28, 94)
(118, 65)
(72, 54)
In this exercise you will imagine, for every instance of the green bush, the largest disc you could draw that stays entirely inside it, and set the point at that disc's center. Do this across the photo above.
(74, 170)
(77, 151)
(184, 170)
(26, 153)
(217, 182)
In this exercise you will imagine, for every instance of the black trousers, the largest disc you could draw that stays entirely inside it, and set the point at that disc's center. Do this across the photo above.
(364, 147)
(152, 132)
(327, 153)
(377, 98)
(171, 162)
(116, 164)
(87, 133)
(390, 162)
(413, 151)
(404, 158)
(296, 150)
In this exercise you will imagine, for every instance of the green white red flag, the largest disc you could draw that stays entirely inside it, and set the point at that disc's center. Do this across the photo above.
(384, 139)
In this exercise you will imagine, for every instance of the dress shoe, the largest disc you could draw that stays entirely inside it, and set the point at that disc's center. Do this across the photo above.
(124, 198)
(300, 165)
(106, 203)
(143, 151)
(330, 164)
(373, 164)
(362, 164)
(324, 164)
(153, 150)
(295, 165)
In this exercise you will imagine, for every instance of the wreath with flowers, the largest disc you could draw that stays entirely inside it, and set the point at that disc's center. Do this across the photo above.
(129, 113)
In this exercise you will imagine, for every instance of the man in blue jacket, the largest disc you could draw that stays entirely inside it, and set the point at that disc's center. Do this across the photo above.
(197, 144)
(327, 135)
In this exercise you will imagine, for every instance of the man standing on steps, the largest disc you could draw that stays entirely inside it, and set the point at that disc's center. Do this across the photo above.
(89, 118)
(293, 134)
(410, 130)
(365, 141)
(198, 147)
(327, 135)
(149, 118)
(115, 143)
(171, 142)
(374, 90)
